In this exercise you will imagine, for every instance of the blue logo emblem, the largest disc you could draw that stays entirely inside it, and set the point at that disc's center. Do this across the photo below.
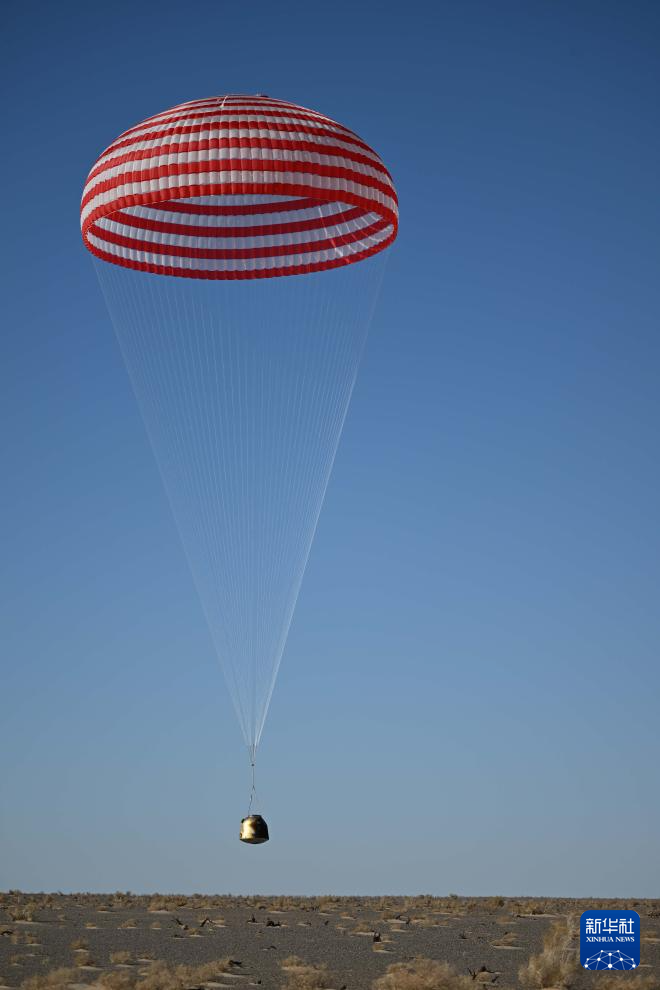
(609, 940)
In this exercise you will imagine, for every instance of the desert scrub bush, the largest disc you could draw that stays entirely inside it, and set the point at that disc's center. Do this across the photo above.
(22, 912)
(538, 908)
(160, 976)
(328, 904)
(55, 979)
(506, 938)
(158, 904)
(83, 958)
(115, 980)
(79, 943)
(425, 921)
(493, 903)
(622, 981)
(120, 899)
(300, 975)
(422, 974)
(121, 957)
(281, 903)
(557, 964)
(129, 923)
(174, 902)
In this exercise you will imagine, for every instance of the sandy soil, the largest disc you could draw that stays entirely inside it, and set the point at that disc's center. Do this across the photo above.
(357, 938)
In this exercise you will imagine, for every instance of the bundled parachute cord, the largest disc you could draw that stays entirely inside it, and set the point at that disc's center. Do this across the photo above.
(253, 792)
(244, 389)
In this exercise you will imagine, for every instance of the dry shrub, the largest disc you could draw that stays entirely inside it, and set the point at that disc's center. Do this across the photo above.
(538, 907)
(83, 958)
(56, 979)
(129, 923)
(493, 903)
(507, 938)
(160, 976)
(329, 904)
(623, 981)
(304, 976)
(79, 943)
(158, 904)
(116, 980)
(422, 974)
(22, 912)
(557, 964)
(425, 921)
(121, 957)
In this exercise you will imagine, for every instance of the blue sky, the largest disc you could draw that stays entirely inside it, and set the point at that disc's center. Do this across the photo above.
(474, 657)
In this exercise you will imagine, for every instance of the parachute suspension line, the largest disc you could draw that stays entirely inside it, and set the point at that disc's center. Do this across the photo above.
(137, 322)
(244, 389)
(339, 413)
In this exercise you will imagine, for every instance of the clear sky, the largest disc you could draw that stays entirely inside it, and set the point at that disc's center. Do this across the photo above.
(469, 698)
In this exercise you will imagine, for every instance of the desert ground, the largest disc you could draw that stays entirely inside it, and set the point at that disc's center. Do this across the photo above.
(123, 941)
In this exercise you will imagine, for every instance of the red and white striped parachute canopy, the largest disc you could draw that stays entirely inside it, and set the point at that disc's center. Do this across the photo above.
(238, 187)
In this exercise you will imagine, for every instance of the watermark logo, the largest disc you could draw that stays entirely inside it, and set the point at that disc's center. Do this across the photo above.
(609, 940)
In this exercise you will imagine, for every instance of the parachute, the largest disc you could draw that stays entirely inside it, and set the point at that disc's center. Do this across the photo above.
(226, 233)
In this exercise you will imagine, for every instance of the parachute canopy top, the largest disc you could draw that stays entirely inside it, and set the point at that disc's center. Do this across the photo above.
(236, 187)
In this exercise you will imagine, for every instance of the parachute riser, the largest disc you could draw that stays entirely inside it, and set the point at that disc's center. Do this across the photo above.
(253, 790)
(254, 829)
